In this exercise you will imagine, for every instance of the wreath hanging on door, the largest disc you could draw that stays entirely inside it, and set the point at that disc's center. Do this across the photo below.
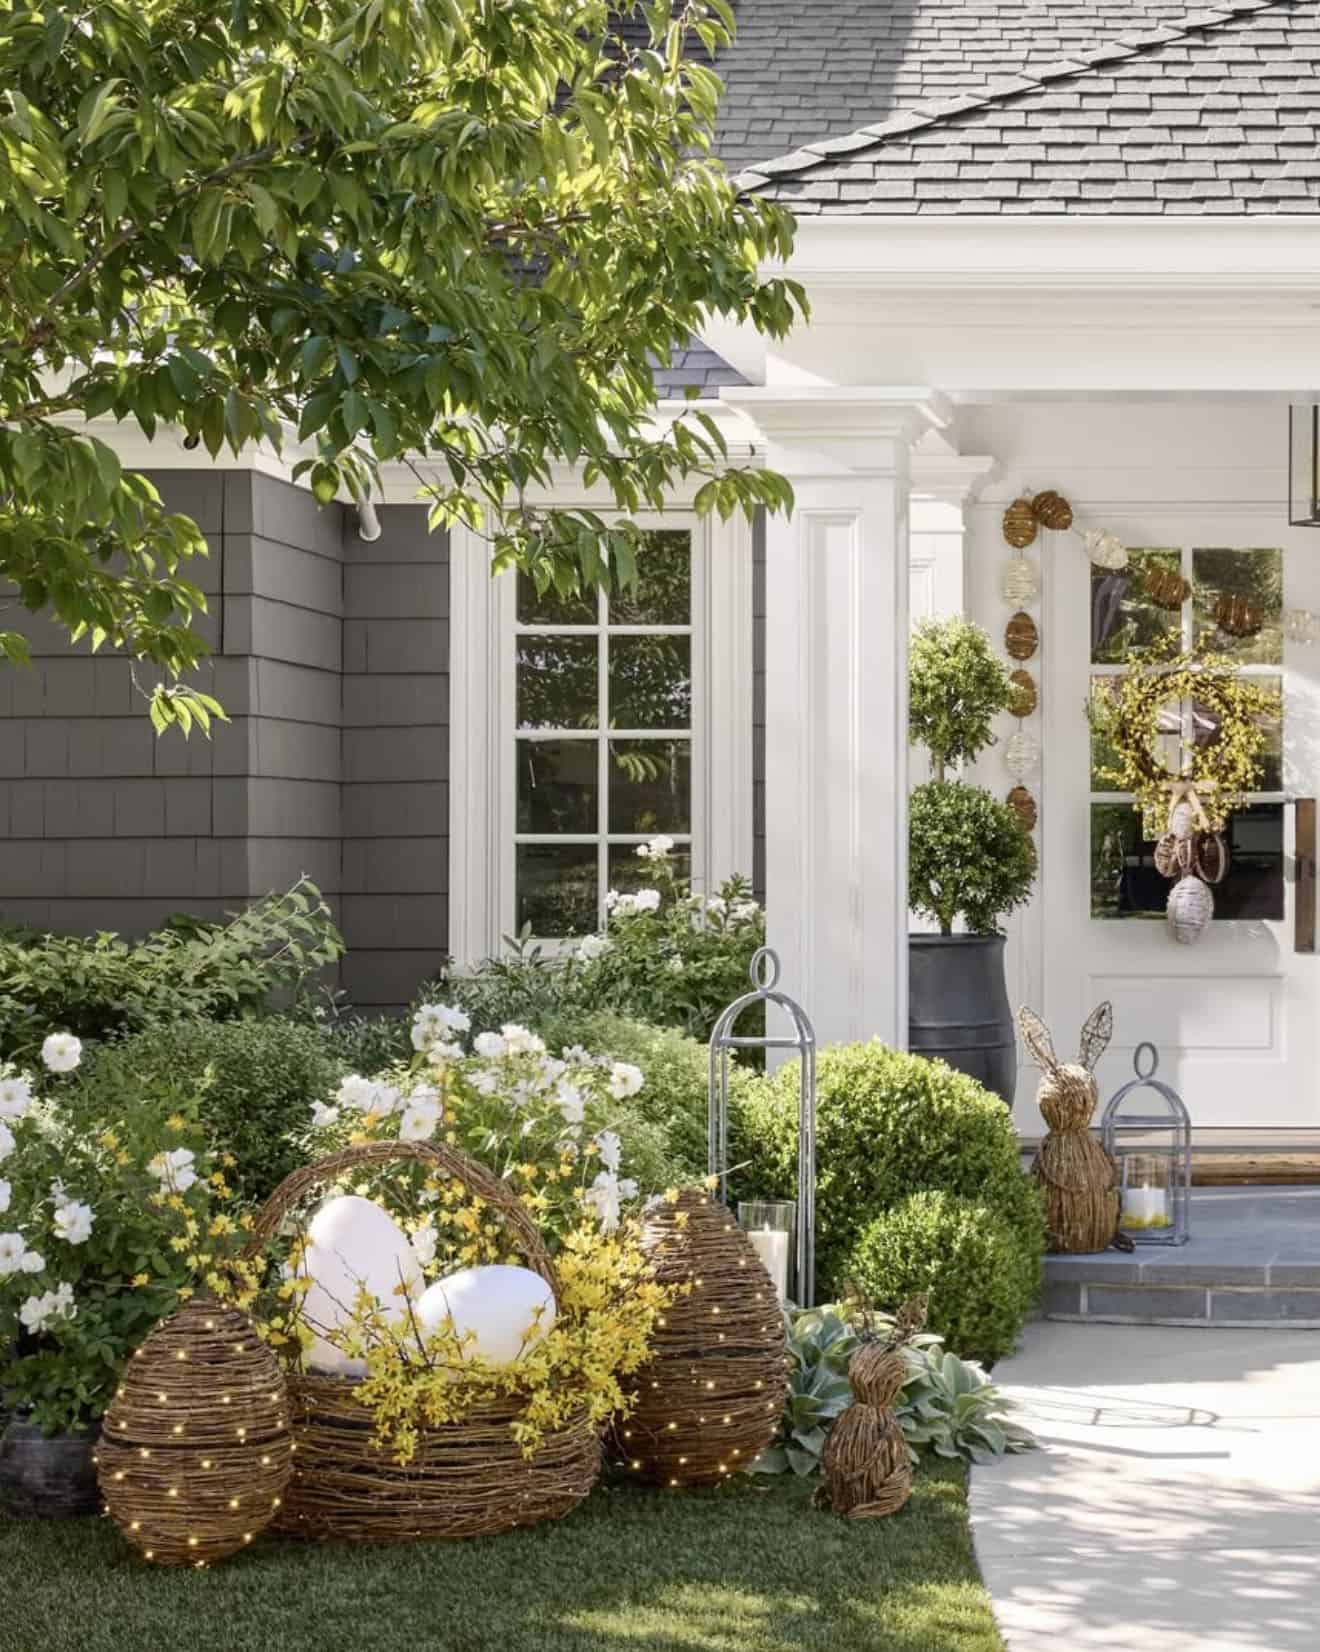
(1224, 762)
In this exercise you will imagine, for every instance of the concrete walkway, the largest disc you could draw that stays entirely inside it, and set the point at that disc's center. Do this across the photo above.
(1176, 1507)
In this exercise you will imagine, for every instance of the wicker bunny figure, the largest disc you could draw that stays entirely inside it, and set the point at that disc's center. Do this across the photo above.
(1077, 1175)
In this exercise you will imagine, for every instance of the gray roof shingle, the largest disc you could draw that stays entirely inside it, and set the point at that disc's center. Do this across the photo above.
(1217, 111)
(697, 366)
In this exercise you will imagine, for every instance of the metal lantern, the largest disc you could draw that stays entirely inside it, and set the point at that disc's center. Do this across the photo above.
(1147, 1131)
(724, 1040)
(1304, 466)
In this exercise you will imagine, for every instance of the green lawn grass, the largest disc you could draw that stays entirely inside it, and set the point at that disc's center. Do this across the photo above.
(750, 1568)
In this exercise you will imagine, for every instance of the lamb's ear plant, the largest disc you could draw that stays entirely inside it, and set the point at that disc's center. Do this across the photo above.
(947, 1405)
(968, 856)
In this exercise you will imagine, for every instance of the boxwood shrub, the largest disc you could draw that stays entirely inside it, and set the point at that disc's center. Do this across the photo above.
(890, 1125)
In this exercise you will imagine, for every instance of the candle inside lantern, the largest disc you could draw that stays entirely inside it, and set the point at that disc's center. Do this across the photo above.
(771, 1245)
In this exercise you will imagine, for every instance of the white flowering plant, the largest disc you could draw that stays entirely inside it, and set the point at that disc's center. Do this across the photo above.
(111, 1205)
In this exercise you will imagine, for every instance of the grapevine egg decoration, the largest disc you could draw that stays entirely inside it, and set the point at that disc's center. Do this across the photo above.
(1020, 581)
(708, 1402)
(1238, 615)
(1052, 511)
(1021, 636)
(1023, 805)
(196, 1453)
(1020, 526)
(1191, 907)
(1165, 587)
(1022, 693)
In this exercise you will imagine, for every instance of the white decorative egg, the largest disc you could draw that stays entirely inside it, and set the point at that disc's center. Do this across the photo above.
(1181, 820)
(501, 1310)
(352, 1243)
(1191, 907)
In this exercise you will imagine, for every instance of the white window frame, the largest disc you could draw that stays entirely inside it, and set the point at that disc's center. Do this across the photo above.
(483, 718)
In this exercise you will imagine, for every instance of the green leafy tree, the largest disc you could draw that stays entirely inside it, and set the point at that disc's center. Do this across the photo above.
(956, 686)
(455, 233)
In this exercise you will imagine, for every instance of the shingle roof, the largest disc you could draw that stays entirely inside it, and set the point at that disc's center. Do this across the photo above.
(798, 72)
(1218, 112)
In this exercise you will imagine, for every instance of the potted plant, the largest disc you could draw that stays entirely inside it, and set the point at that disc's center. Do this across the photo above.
(969, 860)
(98, 1179)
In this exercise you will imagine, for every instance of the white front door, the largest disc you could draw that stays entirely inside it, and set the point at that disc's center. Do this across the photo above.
(1233, 1015)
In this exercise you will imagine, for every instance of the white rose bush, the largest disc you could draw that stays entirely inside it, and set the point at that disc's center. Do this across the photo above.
(112, 1208)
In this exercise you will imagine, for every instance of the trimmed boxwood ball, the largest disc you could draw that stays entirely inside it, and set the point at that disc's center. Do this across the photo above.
(965, 1256)
(889, 1125)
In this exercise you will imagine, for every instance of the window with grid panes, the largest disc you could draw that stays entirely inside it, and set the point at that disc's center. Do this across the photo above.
(1124, 619)
(603, 739)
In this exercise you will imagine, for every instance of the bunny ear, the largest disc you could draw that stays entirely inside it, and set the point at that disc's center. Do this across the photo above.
(1097, 1032)
(1035, 1035)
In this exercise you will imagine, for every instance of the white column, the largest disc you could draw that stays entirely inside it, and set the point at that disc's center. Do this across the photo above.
(836, 699)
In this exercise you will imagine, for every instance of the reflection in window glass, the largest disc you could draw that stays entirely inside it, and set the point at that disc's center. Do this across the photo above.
(557, 887)
(1206, 727)
(549, 608)
(1124, 617)
(650, 682)
(557, 682)
(1237, 600)
(558, 786)
(662, 593)
(1168, 743)
(650, 786)
(1125, 882)
(627, 871)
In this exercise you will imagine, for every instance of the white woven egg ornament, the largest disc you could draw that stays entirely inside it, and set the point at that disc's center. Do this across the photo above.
(1020, 581)
(1022, 755)
(1105, 549)
(1182, 820)
(1191, 907)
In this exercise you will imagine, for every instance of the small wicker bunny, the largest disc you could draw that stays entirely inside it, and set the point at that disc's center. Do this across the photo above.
(1078, 1176)
(866, 1468)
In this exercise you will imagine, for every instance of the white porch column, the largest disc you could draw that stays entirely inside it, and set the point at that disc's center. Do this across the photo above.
(836, 698)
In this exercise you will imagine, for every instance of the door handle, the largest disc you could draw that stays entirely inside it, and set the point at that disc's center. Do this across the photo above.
(1304, 852)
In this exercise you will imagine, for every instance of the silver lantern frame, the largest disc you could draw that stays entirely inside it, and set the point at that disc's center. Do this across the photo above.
(764, 972)
(1175, 1124)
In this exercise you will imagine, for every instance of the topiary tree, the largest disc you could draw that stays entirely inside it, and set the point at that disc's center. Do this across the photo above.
(956, 688)
(888, 1125)
(968, 855)
(964, 1256)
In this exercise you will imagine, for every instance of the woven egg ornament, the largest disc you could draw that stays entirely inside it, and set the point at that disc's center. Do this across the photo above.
(1238, 615)
(1022, 755)
(1023, 805)
(1182, 820)
(1020, 581)
(1105, 549)
(1021, 638)
(1052, 511)
(195, 1452)
(1022, 693)
(1168, 856)
(1165, 588)
(1020, 525)
(1191, 907)
(708, 1402)
(1209, 857)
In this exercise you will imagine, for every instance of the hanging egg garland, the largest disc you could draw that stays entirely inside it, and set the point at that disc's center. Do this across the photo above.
(1238, 615)
(1020, 525)
(1165, 588)
(1023, 805)
(1023, 695)
(1105, 549)
(1021, 636)
(1052, 511)
(1022, 755)
(1020, 581)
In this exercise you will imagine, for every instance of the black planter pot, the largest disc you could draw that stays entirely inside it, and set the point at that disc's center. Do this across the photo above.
(47, 1479)
(958, 1007)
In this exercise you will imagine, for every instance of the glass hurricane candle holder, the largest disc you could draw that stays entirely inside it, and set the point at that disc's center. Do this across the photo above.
(1146, 1201)
(769, 1224)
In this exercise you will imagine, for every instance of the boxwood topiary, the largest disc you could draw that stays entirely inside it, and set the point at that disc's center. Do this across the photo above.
(888, 1125)
(965, 1255)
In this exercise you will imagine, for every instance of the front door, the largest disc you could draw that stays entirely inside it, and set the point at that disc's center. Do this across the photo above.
(1234, 1014)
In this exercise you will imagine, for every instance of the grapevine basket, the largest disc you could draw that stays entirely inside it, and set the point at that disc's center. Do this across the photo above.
(469, 1478)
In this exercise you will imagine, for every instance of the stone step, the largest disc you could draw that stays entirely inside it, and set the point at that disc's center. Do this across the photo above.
(1253, 1260)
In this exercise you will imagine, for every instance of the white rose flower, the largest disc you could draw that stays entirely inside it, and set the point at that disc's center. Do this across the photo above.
(612, 899)
(175, 1169)
(11, 1252)
(609, 1147)
(6, 1141)
(323, 1115)
(569, 1099)
(485, 1084)
(625, 1080)
(62, 1296)
(658, 848)
(576, 1056)
(418, 1121)
(489, 1045)
(62, 1052)
(73, 1222)
(594, 946)
(356, 1091)
(5, 1194)
(606, 1194)
(520, 1040)
(424, 1242)
(38, 1312)
(647, 900)
(439, 1054)
(384, 1099)
(31, 1261)
(15, 1095)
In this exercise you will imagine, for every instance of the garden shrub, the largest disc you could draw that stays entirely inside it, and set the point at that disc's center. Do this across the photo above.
(101, 985)
(889, 1125)
(965, 1255)
(257, 1081)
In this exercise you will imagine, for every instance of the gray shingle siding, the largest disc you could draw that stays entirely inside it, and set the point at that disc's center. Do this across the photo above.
(331, 658)
(1215, 114)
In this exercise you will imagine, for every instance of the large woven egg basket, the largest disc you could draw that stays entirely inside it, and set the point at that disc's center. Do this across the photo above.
(466, 1479)
(708, 1402)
